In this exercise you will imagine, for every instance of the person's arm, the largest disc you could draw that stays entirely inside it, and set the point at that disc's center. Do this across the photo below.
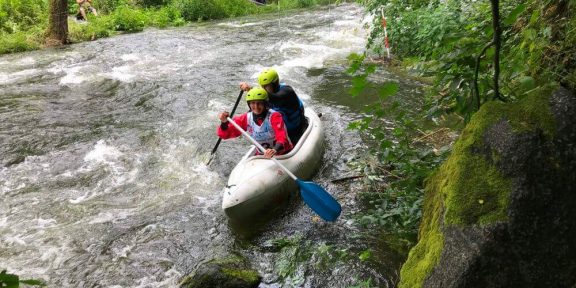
(226, 130)
(244, 86)
(282, 142)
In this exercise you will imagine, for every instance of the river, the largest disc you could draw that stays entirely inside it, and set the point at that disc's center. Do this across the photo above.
(103, 148)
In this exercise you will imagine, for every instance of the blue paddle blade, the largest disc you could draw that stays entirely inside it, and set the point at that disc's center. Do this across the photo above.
(319, 200)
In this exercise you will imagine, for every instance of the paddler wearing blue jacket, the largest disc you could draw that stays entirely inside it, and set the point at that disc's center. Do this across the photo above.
(283, 99)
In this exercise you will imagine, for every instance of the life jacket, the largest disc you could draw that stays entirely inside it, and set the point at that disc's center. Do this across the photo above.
(292, 117)
(263, 134)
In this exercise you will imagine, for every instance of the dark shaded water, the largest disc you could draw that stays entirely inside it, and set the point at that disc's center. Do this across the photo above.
(103, 145)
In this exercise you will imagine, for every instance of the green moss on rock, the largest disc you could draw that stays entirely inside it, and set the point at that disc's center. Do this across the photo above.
(469, 189)
(246, 275)
(426, 254)
(231, 271)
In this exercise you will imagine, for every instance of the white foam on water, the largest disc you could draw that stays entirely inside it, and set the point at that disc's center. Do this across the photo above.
(7, 78)
(113, 161)
(129, 57)
(171, 278)
(313, 56)
(122, 252)
(86, 196)
(44, 223)
(103, 153)
(184, 163)
(111, 216)
(72, 76)
(121, 73)
(14, 240)
(26, 61)
(216, 104)
(237, 24)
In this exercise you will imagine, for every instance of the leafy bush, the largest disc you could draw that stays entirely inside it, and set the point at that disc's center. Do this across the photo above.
(397, 163)
(305, 3)
(165, 16)
(152, 3)
(448, 37)
(128, 19)
(16, 42)
(108, 6)
(98, 27)
(21, 15)
(197, 10)
(236, 8)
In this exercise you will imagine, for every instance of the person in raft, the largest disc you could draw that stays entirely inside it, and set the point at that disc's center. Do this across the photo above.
(265, 125)
(283, 99)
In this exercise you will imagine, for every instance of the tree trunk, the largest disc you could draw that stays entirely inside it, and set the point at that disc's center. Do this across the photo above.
(58, 26)
(496, 40)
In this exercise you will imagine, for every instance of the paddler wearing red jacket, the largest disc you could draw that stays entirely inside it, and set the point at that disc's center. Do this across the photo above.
(265, 125)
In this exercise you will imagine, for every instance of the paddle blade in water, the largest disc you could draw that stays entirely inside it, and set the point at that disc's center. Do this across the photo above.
(319, 200)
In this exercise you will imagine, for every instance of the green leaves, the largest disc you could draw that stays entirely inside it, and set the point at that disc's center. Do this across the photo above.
(13, 281)
(359, 83)
(513, 16)
(365, 255)
(387, 90)
(8, 280)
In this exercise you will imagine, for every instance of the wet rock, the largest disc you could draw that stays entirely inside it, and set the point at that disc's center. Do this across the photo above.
(231, 272)
(500, 211)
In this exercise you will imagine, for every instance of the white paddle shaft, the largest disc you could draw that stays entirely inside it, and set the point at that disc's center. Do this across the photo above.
(261, 148)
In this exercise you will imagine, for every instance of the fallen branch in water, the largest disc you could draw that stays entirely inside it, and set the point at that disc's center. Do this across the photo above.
(419, 139)
(346, 178)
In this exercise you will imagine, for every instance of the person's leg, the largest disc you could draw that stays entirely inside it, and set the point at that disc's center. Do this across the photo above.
(83, 13)
(93, 11)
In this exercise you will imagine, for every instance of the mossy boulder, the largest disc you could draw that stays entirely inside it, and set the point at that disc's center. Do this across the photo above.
(230, 272)
(501, 211)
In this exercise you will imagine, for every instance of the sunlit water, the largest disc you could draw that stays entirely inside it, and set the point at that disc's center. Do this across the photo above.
(103, 148)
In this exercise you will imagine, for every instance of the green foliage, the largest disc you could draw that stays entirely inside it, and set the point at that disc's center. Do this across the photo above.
(128, 19)
(107, 6)
(152, 3)
(396, 165)
(21, 15)
(364, 284)
(295, 254)
(13, 281)
(195, 10)
(164, 17)
(98, 27)
(448, 36)
(17, 42)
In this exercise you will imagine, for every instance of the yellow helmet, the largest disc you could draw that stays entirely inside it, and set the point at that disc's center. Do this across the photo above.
(267, 76)
(257, 94)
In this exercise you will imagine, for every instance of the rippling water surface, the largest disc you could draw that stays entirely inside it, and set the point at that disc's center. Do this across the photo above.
(103, 145)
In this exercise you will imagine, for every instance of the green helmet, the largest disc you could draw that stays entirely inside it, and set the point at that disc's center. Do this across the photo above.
(267, 76)
(257, 94)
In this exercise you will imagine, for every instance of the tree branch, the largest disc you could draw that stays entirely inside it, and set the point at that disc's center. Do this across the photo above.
(476, 92)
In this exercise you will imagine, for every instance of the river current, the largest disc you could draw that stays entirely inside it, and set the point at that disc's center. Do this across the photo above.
(103, 150)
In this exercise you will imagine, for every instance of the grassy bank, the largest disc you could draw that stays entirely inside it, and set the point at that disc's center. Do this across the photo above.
(23, 23)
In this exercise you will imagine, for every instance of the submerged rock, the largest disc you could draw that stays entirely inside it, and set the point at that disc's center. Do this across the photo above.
(500, 212)
(230, 272)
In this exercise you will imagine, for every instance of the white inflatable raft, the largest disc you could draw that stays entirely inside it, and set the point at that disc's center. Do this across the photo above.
(257, 185)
